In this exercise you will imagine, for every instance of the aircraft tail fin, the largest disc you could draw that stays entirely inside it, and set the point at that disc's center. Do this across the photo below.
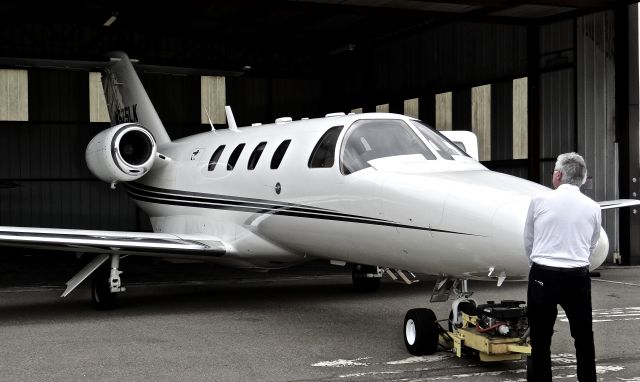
(127, 100)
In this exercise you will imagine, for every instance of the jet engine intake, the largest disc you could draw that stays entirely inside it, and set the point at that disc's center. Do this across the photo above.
(122, 153)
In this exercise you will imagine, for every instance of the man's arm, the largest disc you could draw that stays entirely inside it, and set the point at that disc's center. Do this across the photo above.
(528, 232)
(596, 230)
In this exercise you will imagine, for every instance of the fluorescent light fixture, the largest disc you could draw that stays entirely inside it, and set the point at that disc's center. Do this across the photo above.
(111, 20)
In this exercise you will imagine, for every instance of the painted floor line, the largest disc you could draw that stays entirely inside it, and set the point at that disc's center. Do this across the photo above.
(615, 282)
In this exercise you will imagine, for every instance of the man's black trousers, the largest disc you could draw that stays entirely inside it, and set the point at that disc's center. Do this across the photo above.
(571, 289)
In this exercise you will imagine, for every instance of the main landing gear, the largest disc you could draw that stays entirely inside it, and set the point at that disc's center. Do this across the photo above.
(366, 278)
(492, 332)
(105, 285)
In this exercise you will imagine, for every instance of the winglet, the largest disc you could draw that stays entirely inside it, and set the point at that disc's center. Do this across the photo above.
(230, 120)
(607, 204)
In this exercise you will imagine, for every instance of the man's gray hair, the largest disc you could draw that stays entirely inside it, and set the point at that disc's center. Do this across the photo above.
(573, 168)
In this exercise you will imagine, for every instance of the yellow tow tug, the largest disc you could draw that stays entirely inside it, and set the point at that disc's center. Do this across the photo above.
(492, 331)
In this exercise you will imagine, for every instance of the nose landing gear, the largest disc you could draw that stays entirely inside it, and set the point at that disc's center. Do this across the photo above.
(493, 331)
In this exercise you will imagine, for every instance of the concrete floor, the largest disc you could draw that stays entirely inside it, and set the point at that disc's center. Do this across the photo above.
(304, 324)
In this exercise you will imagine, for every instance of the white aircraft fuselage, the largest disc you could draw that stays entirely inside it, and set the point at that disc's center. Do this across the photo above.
(445, 217)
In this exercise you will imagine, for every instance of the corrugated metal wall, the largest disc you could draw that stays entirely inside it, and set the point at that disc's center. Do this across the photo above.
(453, 54)
(596, 111)
(557, 92)
(577, 97)
(445, 58)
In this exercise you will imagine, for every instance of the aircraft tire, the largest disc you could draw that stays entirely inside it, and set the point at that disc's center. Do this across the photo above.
(421, 331)
(101, 296)
(362, 283)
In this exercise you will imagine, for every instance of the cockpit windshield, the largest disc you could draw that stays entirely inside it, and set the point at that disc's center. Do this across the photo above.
(379, 138)
(438, 142)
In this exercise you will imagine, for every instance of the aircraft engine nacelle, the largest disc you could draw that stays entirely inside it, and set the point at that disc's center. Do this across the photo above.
(122, 153)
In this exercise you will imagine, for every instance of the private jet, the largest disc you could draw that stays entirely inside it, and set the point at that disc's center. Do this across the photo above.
(384, 193)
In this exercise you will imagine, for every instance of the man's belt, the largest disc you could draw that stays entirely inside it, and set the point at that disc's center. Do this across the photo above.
(579, 270)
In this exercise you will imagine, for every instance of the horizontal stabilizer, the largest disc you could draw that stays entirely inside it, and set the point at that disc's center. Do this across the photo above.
(618, 203)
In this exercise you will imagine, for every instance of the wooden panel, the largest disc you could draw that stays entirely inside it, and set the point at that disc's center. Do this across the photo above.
(98, 111)
(481, 119)
(384, 108)
(520, 112)
(444, 111)
(412, 107)
(213, 98)
(14, 91)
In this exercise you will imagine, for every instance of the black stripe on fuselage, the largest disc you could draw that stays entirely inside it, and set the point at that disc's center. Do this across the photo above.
(157, 195)
(247, 204)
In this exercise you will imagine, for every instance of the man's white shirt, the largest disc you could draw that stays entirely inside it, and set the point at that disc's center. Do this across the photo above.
(562, 228)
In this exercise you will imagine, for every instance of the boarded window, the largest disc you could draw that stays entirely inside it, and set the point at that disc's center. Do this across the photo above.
(411, 107)
(255, 155)
(213, 99)
(444, 111)
(279, 154)
(481, 119)
(384, 108)
(97, 103)
(520, 115)
(323, 155)
(215, 158)
(14, 95)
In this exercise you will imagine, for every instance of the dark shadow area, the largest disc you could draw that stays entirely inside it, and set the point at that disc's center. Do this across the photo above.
(247, 298)
(29, 267)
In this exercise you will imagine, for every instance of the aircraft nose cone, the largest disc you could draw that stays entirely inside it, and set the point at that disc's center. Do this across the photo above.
(600, 253)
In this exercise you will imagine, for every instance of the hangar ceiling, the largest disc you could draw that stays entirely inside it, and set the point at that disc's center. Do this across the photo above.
(294, 38)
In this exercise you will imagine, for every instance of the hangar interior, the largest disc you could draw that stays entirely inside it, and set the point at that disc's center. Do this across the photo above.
(532, 79)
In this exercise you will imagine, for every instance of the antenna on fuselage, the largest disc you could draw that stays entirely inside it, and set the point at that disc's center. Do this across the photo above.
(209, 118)
(230, 120)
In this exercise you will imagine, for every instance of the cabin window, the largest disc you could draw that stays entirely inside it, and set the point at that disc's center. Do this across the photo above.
(372, 139)
(279, 154)
(438, 142)
(324, 153)
(233, 158)
(255, 155)
(215, 157)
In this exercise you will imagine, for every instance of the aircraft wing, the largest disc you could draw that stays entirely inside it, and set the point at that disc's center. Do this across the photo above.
(113, 242)
(618, 203)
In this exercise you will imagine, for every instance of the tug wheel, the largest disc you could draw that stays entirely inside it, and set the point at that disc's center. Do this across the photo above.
(421, 331)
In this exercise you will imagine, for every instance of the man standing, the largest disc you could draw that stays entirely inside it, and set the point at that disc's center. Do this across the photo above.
(561, 232)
